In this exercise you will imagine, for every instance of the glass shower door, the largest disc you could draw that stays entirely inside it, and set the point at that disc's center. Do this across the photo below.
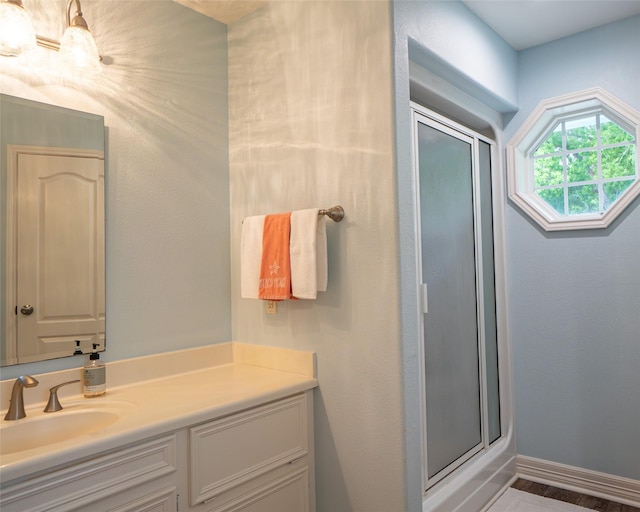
(458, 298)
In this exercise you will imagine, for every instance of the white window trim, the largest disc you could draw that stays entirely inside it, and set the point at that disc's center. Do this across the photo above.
(537, 127)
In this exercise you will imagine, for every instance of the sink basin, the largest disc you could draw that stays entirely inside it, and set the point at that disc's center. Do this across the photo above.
(35, 432)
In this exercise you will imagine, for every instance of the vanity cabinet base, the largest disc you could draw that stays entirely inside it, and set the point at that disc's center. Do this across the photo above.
(257, 460)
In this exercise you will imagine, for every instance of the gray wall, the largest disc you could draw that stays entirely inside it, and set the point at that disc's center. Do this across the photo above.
(310, 102)
(452, 42)
(480, 70)
(163, 95)
(311, 105)
(575, 296)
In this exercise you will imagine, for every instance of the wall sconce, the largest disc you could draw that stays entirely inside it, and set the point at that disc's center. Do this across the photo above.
(77, 49)
(16, 30)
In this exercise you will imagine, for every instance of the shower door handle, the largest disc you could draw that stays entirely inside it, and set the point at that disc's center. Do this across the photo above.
(424, 298)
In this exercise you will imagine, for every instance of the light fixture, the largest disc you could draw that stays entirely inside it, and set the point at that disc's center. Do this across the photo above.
(16, 30)
(77, 49)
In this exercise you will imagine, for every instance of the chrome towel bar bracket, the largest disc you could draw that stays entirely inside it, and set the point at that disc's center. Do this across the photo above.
(335, 213)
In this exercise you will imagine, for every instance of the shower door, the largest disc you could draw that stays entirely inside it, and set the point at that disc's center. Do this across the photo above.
(458, 316)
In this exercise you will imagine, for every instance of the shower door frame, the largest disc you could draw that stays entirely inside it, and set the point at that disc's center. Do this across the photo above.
(420, 114)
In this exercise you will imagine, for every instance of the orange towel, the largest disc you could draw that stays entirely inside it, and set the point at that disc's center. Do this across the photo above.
(275, 268)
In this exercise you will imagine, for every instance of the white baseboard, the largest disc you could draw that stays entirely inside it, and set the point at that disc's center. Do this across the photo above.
(593, 483)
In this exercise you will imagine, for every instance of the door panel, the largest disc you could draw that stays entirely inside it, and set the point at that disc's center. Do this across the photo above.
(452, 365)
(60, 266)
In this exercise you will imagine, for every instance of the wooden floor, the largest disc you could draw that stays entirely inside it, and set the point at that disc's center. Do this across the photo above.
(575, 498)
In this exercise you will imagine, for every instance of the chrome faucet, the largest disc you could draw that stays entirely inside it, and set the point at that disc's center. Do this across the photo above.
(53, 404)
(16, 405)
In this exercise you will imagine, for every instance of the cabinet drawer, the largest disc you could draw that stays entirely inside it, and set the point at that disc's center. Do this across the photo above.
(233, 450)
(283, 490)
(159, 501)
(79, 485)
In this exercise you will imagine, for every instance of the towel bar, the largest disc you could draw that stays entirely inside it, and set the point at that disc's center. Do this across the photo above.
(335, 213)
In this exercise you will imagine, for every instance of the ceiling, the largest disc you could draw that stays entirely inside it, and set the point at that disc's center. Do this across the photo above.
(521, 23)
(527, 23)
(224, 11)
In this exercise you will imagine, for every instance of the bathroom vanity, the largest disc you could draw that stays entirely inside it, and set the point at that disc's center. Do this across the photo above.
(232, 434)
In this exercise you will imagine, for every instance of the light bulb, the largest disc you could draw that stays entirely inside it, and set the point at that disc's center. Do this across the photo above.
(78, 50)
(16, 30)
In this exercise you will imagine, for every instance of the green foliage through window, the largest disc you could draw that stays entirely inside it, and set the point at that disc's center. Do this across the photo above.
(584, 165)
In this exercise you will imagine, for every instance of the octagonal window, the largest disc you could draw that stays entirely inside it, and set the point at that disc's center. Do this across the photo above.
(574, 162)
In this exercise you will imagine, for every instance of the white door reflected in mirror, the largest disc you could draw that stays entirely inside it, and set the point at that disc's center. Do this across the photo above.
(59, 241)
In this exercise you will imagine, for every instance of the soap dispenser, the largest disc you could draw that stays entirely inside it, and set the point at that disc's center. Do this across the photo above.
(95, 373)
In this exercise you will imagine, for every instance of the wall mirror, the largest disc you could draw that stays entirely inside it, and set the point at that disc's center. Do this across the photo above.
(52, 247)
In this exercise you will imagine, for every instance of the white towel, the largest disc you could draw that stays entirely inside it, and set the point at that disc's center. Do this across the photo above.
(308, 251)
(321, 254)
(251, 256)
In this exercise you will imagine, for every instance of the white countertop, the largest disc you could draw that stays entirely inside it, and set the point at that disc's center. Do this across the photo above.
(161, 405)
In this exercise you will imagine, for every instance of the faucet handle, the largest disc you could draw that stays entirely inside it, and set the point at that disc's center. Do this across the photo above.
(54, 404)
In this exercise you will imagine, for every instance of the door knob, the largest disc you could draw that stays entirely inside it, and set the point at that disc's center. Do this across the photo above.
(27, 309)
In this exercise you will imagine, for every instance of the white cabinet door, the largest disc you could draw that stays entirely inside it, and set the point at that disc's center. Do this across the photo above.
(235, 450)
